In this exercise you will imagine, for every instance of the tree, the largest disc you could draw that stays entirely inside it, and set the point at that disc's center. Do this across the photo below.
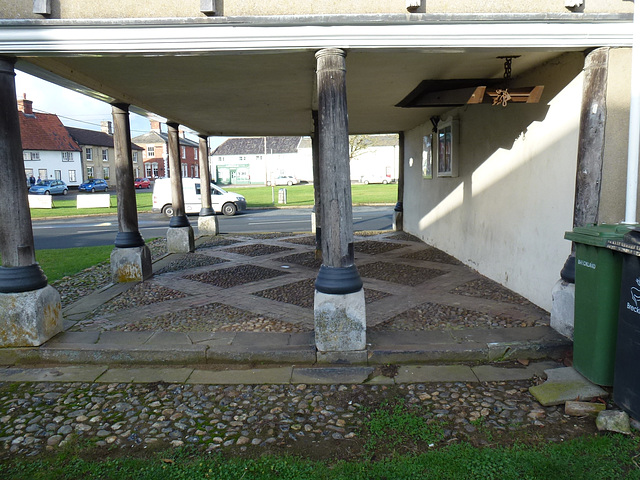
(358, 144)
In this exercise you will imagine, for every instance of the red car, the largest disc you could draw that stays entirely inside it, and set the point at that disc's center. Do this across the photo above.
(142, 183)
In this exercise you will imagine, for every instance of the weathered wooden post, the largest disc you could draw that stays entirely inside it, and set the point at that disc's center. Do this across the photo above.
(180, 234)
(591, 142)
(30, 309)
(398, 211)
(131, 259)
(339, 308)
(317, 197)
(207, 221)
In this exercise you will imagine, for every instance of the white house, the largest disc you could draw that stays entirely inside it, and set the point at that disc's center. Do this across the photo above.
(49, 152)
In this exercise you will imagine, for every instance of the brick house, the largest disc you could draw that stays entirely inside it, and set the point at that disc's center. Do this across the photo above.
(155, 148)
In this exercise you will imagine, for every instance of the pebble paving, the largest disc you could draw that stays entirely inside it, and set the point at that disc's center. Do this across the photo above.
(40, 417)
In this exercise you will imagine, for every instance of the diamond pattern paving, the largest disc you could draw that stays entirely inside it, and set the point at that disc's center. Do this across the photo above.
(234, 276)
(191, 260)
(432, 254)
(301, 293)
(214, 317)
(399, 273)
(371, 247)
(257, 250)
(433, 316)
(306, 259)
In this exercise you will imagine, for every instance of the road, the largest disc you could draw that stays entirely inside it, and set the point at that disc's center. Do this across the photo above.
(101, 230)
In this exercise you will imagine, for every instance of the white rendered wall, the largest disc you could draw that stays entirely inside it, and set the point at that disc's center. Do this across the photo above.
(506, 213)
(51, 161)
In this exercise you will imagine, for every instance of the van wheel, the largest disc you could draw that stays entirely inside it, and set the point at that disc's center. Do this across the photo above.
(168, 210)
(229, 209)
(384, 182)
(366, 182)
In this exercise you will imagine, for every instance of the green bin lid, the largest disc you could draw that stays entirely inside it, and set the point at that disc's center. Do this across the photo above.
(598, 235)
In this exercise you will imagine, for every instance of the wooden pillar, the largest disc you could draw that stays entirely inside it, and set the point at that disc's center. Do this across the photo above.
(179, 218)
(131, 259)
(30, 310)
(339, 308)
(19, 271)
(591, 141)
(335, 185)
(398, 211)
(205, 176)
(317, 197)
(128, 233)
(207, 221)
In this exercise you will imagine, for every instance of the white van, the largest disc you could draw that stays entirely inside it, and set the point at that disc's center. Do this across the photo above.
(221, 201)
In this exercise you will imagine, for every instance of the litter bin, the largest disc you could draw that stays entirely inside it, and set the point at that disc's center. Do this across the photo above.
(626, 381)
(598, 271)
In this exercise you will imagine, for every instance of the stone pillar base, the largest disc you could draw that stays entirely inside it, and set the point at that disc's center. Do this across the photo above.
(398, 221)
(180, 240)
(208, 225)
(29, 319)
(130, 264)
(563, 298)
(340, 324)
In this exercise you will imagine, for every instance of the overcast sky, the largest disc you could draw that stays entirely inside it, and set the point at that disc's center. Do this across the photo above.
(77, 110)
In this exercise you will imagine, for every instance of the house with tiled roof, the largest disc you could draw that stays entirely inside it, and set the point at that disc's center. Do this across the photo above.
(98, 153)
(48, 150)
(258, 160)
(155, 145)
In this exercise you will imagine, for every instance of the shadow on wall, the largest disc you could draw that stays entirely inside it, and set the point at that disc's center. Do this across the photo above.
(506, 213)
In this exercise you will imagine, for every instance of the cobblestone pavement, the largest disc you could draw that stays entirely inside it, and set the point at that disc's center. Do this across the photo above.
(45, 416)
(264, 282)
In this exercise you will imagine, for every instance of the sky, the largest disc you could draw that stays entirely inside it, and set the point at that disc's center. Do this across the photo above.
(78, 110)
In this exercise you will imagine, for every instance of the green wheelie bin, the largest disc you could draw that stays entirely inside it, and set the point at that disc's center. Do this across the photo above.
(598, 274)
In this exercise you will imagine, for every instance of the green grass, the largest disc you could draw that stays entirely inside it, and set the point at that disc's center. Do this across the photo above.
(302, 195)
(587, 458)
(69, 261)
(297, 195)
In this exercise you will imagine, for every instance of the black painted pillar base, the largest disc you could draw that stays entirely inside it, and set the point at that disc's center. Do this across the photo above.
(206, 212)
(129, 240)
(178, 221)
(22, 279)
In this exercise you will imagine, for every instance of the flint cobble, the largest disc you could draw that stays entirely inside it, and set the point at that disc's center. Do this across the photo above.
(45, 416)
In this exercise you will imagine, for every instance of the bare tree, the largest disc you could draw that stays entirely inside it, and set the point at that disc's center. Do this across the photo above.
(358, 144)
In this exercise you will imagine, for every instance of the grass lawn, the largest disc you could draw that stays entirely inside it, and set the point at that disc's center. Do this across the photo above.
(297, 195)
(69, 261)
(588, 458)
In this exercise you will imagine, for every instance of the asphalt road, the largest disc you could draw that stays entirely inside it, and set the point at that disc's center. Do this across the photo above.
(101, 230)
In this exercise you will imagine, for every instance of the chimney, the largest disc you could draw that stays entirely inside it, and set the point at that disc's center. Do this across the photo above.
(106, 127)
(25, 106)
(155, 126)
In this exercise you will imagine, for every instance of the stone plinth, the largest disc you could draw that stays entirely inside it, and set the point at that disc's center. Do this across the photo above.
(563, 297)
(208, 225)
(340, 322)
(180, 240)
(31, 318)
(130, 264)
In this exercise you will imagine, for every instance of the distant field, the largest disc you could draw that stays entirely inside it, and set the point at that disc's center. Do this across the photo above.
(297, 195)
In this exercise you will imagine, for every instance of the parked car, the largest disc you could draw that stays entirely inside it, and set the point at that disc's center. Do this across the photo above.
(285, 180)
(228, 203)
(377, 179)
(142, 183)
(49, 187)
(95, 185)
